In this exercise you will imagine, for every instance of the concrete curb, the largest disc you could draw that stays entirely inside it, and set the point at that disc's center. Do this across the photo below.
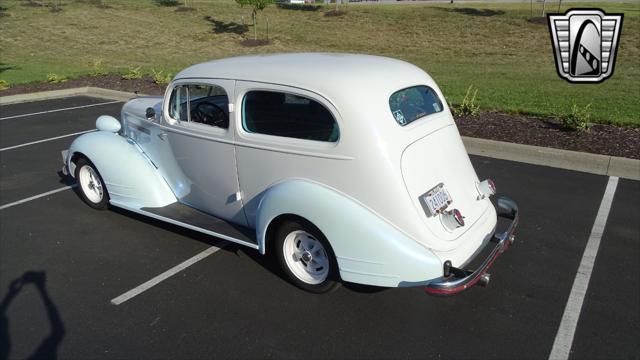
(564, 159)
(58, 94)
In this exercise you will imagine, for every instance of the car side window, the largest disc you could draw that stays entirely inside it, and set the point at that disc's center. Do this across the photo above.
(201, 104)
(288, 115)
(178, 106)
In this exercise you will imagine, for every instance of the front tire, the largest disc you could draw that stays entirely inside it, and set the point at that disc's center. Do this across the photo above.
(91, 186)
(306, 257)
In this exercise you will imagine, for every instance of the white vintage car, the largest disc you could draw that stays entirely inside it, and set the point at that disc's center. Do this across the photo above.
(345, 167)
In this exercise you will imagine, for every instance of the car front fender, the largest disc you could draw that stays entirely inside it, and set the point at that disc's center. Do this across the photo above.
(368, 249)
(132, 180)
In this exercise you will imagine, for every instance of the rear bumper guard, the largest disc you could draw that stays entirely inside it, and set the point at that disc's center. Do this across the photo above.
(456, 280)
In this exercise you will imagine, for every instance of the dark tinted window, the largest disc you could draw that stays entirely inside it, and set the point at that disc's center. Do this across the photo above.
(287, 115)
(413, 103)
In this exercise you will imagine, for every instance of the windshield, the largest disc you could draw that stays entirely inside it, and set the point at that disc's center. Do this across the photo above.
(412, 103)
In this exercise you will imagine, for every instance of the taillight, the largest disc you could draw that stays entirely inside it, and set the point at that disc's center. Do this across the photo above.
(457, 215)
(486, 188)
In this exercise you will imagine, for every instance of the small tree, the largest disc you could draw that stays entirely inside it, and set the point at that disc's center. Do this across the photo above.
(256, 5)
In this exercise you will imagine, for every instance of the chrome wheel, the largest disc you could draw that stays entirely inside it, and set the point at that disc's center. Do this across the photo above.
(90, 184)
(306, 257)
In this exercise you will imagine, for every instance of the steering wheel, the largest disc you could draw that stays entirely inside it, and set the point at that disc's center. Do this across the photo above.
(209, 113)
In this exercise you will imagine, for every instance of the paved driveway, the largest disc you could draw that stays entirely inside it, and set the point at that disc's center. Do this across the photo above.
(236, 303)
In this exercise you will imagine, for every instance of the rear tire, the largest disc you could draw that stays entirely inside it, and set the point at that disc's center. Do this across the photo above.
(90, 185)
(306, 257)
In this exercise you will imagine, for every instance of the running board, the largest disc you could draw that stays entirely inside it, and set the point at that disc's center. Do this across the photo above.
(190, 218)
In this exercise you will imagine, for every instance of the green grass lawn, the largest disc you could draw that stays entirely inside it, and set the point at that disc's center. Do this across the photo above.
(491, 46)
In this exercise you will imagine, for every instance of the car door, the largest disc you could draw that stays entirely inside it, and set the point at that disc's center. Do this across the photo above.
(196, 142)
(284, 133)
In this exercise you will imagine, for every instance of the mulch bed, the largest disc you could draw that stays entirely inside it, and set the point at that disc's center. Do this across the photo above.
(335, 13)
(114, 82)
(521, 129)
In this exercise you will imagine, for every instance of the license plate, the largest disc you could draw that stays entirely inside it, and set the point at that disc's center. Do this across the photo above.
(437, 199)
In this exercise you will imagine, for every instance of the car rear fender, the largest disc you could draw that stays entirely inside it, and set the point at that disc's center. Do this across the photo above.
(131, 178)
(368, 249)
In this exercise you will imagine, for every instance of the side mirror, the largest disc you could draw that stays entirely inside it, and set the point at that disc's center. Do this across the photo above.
(108, 123)
(151, 114)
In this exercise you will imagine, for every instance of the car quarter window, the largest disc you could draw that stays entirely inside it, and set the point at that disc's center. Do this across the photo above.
(414, 103)
(288, 115)
(199, 103)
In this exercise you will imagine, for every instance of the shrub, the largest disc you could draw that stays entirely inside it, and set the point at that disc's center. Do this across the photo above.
(98, 68)
(161, 78)
(468, 106)
(55, 78)
(134, 73)
(577, 119)
(4, 85)
(256, 6)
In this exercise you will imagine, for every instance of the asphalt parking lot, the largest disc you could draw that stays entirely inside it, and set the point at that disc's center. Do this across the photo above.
(71, 261)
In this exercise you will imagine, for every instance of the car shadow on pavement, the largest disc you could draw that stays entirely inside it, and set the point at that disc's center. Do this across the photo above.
(66, 179)
(48, 348)
(268, 262)
(192, 234)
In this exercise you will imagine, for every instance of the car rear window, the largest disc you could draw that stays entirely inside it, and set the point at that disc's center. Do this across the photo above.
(410, 104)
(288, 115)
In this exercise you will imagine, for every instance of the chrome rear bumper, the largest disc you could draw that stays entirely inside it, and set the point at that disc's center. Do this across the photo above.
(456, 280)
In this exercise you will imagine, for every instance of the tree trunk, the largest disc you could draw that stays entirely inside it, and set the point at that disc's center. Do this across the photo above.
(544, 2)
(531, 4)
(255, 28)
(559, 4)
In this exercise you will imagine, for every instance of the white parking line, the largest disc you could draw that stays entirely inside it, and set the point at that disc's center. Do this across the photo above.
(37, 196)
(45, 140)
(564, 338)
(57, 110)
(165, 275)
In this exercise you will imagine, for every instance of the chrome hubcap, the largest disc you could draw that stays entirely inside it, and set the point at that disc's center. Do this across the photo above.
(306, 257)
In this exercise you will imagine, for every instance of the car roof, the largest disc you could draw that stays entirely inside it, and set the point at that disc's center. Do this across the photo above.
(325, 73)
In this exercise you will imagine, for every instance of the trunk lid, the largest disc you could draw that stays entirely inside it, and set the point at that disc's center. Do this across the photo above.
(440, 158)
